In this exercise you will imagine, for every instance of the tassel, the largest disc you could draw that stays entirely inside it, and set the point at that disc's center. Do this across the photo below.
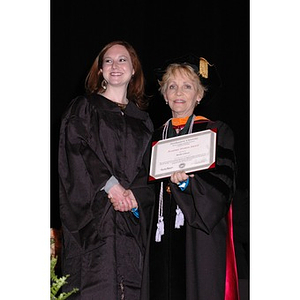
(160, 223)
(179, 221)
(203, 67)
(160, 230)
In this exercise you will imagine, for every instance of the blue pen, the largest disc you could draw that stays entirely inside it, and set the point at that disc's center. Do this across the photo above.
(135, 211)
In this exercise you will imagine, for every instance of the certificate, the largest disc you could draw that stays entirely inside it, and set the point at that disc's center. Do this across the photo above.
(190, 152)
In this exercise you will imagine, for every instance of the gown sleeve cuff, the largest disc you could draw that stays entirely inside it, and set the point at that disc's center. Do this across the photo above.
(110, 183)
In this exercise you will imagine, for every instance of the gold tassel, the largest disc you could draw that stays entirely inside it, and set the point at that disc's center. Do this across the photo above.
(203, 67)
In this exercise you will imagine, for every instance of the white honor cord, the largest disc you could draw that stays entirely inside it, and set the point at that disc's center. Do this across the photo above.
(160, 230)
(191, 125)
(165, 130)
(179, 221)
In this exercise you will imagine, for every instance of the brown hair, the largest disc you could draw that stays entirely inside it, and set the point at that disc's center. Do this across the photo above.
(183, 69)
(136, 87)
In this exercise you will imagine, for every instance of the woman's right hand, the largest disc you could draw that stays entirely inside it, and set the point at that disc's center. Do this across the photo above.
(121, 199)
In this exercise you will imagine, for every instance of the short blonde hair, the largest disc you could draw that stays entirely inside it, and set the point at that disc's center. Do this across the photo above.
(183, 69)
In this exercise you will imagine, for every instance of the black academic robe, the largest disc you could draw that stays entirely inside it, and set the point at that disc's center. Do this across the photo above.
(105, 252)
(190, 262)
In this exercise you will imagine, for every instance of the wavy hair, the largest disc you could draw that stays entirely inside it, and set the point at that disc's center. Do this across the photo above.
(136, 87)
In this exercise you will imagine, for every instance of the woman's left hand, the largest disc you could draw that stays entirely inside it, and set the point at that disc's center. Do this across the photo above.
(179, 176)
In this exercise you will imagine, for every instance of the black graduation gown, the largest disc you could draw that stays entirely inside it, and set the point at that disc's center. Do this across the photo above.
(190, 262)
(104, 251)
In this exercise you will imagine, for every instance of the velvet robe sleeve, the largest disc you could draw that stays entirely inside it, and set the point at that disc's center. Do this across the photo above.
(207, 199)
(144, 193)
(81, 173)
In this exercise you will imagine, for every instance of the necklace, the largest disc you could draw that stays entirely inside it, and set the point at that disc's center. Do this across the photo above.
(121, 105)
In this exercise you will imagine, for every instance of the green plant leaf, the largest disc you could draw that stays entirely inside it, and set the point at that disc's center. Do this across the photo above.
(57, 283)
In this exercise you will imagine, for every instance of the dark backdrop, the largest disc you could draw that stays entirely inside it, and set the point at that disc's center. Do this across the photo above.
(158, 30)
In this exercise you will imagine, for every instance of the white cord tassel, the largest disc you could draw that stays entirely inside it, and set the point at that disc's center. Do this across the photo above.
(179, 221)
(160, 230)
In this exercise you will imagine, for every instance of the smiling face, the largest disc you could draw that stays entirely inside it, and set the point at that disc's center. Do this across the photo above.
(181, 91)
(117, 66)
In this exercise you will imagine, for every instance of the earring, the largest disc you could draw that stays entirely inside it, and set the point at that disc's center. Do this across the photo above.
(167, 102)
(104, 84)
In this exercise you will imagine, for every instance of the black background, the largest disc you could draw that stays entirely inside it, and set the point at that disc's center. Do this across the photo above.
(158, 30)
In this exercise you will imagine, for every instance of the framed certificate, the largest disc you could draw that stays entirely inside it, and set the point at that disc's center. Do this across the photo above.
(190, 152)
